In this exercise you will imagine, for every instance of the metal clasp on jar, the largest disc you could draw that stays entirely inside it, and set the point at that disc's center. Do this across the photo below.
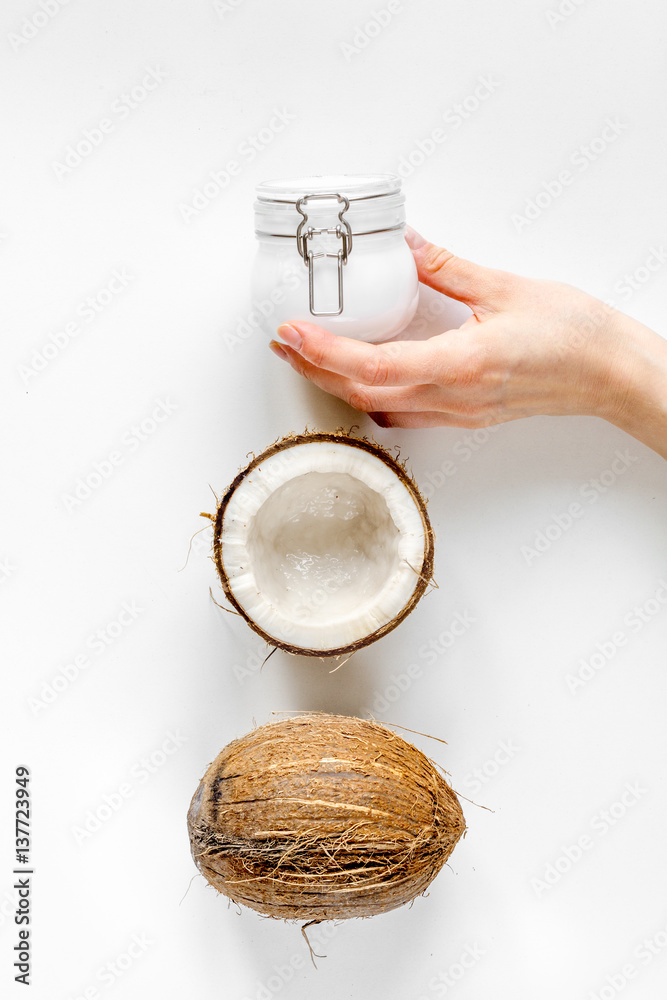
(341, 231)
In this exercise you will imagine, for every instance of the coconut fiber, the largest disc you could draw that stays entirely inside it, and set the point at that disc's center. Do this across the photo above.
(322, 817)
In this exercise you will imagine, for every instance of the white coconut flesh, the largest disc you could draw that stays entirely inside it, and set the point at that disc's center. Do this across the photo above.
(322, 544)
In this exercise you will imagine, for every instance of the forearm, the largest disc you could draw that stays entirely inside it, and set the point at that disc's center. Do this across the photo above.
(640, 381)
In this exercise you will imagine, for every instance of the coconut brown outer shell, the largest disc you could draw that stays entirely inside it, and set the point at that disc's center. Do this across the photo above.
(322, 817)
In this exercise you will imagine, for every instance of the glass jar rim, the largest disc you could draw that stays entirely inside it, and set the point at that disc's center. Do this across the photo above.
(355, 187)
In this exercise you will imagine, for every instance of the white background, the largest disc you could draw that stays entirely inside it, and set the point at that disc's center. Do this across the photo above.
(180, 678)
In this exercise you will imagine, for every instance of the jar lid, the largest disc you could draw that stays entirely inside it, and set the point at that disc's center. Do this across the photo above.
(373, 203)
(355, 187)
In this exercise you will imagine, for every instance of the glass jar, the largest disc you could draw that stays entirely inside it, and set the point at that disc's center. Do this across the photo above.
(331, 251)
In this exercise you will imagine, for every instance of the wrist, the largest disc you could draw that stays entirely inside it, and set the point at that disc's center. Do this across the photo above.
(638, 399)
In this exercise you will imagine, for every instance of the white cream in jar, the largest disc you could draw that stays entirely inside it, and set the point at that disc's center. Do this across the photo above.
(332, 252)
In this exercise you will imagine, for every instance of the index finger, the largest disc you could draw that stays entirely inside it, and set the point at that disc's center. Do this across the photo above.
(398, 363)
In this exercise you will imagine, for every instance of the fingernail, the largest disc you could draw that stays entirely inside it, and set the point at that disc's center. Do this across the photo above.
(278, 350)
(413, 239)
(290, 336)
(380, 419)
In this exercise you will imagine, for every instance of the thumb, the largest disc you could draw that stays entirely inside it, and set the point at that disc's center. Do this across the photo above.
(454, 276)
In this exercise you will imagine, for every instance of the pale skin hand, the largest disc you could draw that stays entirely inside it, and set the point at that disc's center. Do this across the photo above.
(530, 347)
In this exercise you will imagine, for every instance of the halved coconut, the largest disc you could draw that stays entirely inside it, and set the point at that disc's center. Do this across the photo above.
(323, 544)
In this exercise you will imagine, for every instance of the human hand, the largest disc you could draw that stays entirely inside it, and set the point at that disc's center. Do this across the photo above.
(530, 347)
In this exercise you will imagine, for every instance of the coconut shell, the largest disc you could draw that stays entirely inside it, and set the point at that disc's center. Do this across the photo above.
(322, 817)
(424, 571)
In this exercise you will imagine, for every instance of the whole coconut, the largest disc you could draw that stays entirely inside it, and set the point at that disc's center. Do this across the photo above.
(322, 817)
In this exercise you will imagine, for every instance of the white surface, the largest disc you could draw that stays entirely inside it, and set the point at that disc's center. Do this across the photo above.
(492, 648)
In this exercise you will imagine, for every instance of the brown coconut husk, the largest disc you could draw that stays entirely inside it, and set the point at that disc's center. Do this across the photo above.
(322, 817)
(423, 572)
